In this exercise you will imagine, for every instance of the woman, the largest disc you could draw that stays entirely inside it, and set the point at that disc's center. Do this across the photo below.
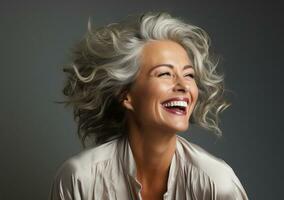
(133, 86)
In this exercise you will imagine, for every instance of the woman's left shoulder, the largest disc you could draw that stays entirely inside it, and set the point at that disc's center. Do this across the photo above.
(215, 167)
(219, 173)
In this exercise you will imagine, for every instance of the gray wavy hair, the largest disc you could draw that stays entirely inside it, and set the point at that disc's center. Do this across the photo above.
(106, 62)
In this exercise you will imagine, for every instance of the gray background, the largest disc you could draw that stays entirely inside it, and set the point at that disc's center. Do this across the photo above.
(37, 135)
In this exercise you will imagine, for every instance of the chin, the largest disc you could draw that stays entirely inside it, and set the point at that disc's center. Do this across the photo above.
(179, 127)
(182, 129)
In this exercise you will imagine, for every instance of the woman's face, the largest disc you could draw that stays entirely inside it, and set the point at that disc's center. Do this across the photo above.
(164, 93)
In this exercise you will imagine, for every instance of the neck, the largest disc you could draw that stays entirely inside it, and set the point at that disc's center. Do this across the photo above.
(153, 151)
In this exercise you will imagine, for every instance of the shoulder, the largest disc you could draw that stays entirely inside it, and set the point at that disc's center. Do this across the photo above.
(76, 174)
(216, 168)
(219, 174)
(86, 159)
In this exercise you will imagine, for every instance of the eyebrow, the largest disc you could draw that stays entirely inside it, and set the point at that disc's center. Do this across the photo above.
(170, 66)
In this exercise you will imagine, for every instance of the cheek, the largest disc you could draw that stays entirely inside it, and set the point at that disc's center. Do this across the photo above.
(140, 98)
(194, 92)
(153, 89)
(156, 90)
(149, 97)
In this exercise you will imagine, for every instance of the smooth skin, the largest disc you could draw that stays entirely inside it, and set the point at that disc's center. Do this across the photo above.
(165, 72)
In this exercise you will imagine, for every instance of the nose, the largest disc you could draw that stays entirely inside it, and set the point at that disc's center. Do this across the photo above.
(180, 85)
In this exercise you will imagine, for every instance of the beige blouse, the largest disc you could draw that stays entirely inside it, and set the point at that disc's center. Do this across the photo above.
(108, 172)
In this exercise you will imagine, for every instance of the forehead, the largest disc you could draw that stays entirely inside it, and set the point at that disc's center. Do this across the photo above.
(163, 52)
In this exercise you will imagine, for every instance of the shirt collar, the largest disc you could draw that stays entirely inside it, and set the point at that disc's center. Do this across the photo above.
(126, 156)
(129, 165)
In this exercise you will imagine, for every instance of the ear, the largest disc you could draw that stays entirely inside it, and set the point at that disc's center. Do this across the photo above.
(127, 101)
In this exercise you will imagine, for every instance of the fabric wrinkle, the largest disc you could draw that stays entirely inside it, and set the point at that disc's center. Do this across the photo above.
(108, 172)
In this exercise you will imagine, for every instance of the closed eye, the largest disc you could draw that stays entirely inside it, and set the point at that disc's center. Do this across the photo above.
(190, 75)
(164, 74)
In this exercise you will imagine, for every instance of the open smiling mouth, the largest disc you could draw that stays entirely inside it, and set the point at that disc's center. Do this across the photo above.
(176, 107)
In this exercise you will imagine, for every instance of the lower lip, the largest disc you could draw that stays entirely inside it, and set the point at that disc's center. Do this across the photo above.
(176, 112)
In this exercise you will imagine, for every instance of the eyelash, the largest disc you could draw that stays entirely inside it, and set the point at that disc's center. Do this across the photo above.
(165, 73)
(191, 75)
(168, 73)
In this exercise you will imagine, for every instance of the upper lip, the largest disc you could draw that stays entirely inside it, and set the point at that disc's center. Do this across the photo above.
(177, 99)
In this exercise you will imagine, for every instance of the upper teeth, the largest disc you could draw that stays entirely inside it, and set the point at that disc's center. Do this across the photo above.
(176, 103)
